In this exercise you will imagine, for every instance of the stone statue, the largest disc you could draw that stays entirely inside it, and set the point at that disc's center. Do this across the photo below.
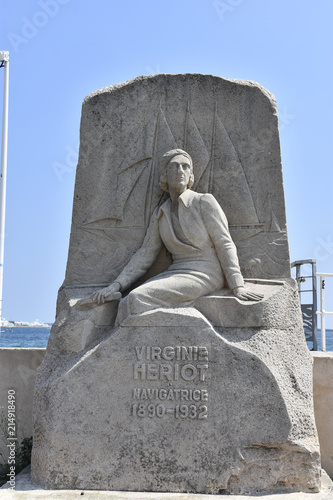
(191, 387)
(194, 229)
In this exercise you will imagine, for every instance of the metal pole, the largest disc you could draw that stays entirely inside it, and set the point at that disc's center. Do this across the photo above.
(4, 58)
(322, 312)
(298, 275)
(314, 306)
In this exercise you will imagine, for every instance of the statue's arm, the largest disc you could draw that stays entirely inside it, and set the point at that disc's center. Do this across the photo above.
(141, 261)
(217, 227)
(143, 258)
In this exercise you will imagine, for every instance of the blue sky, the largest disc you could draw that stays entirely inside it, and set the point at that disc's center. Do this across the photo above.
(61, 50)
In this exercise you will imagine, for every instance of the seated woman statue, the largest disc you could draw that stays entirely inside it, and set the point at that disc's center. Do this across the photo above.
(194, 229)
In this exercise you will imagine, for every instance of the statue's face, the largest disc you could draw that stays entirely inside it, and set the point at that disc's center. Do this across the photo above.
(178, 172)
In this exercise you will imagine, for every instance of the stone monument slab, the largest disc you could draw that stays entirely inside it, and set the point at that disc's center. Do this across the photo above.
(177, 361)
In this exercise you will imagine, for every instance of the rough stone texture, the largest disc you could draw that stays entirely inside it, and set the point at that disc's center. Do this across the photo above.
(259, 434)
(246, 428)
(25, 490)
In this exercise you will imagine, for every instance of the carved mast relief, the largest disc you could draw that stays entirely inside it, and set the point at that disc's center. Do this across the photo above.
(220, 167)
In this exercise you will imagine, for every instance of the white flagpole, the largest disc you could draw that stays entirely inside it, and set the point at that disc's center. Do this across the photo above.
(4, 60)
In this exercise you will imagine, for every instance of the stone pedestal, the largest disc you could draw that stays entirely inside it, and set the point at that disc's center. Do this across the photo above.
(169, 402)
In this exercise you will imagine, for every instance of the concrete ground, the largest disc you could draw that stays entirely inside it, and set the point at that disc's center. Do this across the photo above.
(24, 490)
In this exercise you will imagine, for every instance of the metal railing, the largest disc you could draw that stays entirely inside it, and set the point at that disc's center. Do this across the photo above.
(322, 311)
(309, 310)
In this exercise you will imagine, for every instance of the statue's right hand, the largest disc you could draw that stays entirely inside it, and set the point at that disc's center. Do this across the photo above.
(107, 294)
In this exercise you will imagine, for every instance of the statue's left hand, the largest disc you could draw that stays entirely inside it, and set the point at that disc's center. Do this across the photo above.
(242, 294)
(107, 294)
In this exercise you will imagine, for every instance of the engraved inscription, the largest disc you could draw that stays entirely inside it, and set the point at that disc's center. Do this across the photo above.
(171, 394)
(179, 411)
(169, 353)
(155, 371)
(171, 364)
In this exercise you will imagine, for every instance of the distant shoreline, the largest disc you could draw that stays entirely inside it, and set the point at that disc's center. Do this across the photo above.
(27, 326)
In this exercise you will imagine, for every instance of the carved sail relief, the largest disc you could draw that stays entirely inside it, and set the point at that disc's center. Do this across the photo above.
(163, 141)
(195, 146)
(153, 141)
(141, 161)
(228, 182)
(219, 172)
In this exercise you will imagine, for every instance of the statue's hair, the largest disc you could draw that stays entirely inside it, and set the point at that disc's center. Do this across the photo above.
(166, 158)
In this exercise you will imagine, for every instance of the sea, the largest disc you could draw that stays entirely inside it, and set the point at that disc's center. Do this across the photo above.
(24, 336)
(38, 337)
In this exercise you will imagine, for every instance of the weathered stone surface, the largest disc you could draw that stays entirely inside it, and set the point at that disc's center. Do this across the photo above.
(25, 490)
(109, 411)
(224, 413)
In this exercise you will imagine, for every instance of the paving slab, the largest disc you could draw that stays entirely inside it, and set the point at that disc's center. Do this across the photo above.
(24, 490)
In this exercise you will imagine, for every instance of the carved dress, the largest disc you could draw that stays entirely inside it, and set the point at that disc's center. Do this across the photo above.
(204, 256)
